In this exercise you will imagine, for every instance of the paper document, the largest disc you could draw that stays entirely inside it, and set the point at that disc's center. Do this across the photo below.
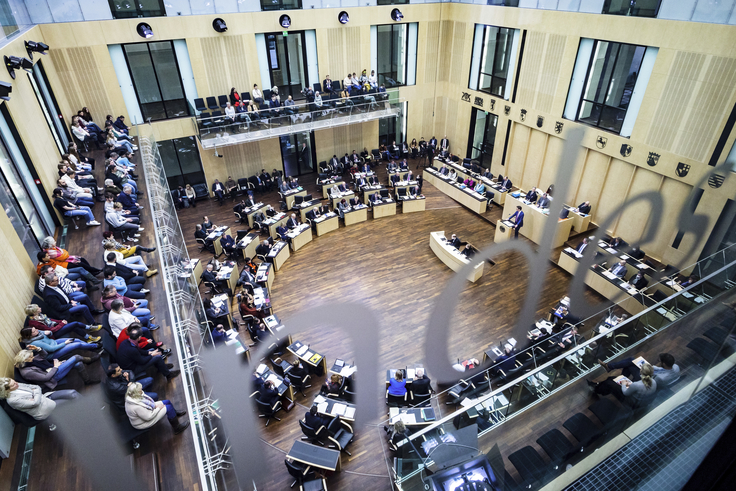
(350, 413)
(639, 361)
(261, 368)
(347, 371)
(410, 373)
(302, 350)
(322, 407)
(319, 399)
(621, 380)
(339, 409)
(274, 379)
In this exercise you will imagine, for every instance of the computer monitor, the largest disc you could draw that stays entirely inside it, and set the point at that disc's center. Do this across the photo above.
(308, 197)
(298, 200)
(564, 213)
(384, 193)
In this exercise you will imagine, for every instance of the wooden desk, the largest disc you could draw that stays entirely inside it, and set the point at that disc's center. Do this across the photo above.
(412, 416)
(315, 456)
(568, 263)
(223, 301)
(310, 358)
(264, 275)
(384, 209)
(216, 236)
(232, 277)
(580, 222)
(535, 220)
(279, 254)
(259, 207)
(195, 266)
(346, 196)
(326, 407)
(274, 222)
(266, 373)
(300, 237)
(367, 191)
(504, 231)
(412, 205)
(289, 197)
(311, 204)
(451, 257)
(468, 198)
(326, 187)
(248, 244)
(329, 224)
(355, 216)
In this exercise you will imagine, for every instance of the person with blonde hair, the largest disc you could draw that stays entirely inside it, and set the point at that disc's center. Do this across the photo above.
(34, 366)
(638, 387)
(29, 398)
(144, 412)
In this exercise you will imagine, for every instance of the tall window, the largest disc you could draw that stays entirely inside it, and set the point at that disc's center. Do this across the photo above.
(126, 9)
(482, 136)
(281, 4)
(504, 3)
(393, 129)
(20, 197)
(609, 84)
(49, 107)
(494, 63)
(636, 8)
(181, 161)
(393, 46)
(156, 80)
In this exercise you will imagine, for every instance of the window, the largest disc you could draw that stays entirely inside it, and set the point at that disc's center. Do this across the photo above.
(127, 9)
(156, 80)
(49, 107)
(482, 136)
(181, 161)
(392, 2)
(609, 84)
(494, 62)
(281, 4)
(635, 8)
(393, 129)
(392, 48)
(504, 3)
(23, 201)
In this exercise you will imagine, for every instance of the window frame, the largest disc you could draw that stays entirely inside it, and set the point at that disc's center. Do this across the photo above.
(180, 178)
(138, 12)
(484, 44)
(607, 5)
(158, 83)
(603, 105)
(59, 132)
(393, 51)
(279, 5)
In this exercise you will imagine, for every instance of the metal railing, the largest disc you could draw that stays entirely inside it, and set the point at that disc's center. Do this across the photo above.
(188, 318)
(534, 382)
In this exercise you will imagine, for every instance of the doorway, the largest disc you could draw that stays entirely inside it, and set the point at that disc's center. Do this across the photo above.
(287, 63)
(482, 137)
(297, 153)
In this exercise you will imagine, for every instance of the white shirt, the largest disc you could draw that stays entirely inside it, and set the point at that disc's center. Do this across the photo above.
(230, 112)
(257, 94)
(119, 321)
(346, 83)
(373, 80)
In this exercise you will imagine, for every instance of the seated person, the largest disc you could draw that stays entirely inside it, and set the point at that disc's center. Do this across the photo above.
(570, 338)
(689, 281)
(375, 199)
(630, 392)
(665, 373)
(617, 243)
(480, 188)
(531, 196)
(131, 357)
(507, 361)
(126, 250)
(332, 385)
(246, 306)
(60, 305)
(139, 308)
(133, 261)
(200, 233)
(292, 222)
(58, 328)
(219, 191)
(228, 244)
(29, 398)
(215, 314)
(582, 246)
(219, 335)
(120, 319)
(422, 383)
(34, 366)
(282, 231)
(456, 242)
(268, 393)
(638, 281)
(397, 384)
(56, 348)
(144, 412)
(117, 382)
(264, 248)
(314, 420)
(619, 269)
(469, 251)
(70, 210)
(209, 275)
(543, 201)
(133, 290)
(584, 208)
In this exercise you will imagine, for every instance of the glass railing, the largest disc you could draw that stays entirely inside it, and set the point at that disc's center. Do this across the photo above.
(188, 318)
(542, 374)
(216, 128)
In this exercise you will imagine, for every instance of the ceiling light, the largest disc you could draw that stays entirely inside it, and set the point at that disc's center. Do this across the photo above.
(343, 17)
(12, 63)
(285, 21)
(396, 15)
(144, 30)
(219, 25)
(37, 47)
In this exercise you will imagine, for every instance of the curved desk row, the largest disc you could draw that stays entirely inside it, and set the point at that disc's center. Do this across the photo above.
(466, 197)
(451, 256)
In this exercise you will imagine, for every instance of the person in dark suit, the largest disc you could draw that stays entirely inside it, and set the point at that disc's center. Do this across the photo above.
(637, 253)
(691, 279)
(282, 231)
(638, 281)
(219, 191)
(126, 199)
(327, 85)
(507, 361)
(531, 195)
(421, 384)
(619, 269)
(445, 144)
(443, 170)
(292, 222)
(543, 202)
(359, 183)
(581, 247)
(456, 242)
(506, 184)
(268, 393)
(131, 357)
(210, 276)
(305, 157)
(617, 243)
(314, 420)
(433, 142)
(518, 220)
(263, 248)
(199, 233)
(59, 305)
(584, 208)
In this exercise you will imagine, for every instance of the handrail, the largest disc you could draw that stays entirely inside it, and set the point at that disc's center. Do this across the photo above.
(588, 343)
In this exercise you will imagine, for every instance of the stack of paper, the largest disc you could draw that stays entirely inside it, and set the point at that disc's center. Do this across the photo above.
(410, 373)
(261, 368)
(350, 413)
(338, 409)
(621, 380)
(303, 349)
(322, 407)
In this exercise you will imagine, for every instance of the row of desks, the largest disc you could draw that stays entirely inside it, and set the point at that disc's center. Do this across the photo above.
(466, 197)
(452, 257)
(534, 221)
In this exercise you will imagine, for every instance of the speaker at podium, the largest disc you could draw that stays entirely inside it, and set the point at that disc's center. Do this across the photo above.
(504, 231)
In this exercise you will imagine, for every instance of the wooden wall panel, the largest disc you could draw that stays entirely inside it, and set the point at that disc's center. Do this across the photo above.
(217, 79)
(517, 153)
(634, 218)
(593, 177)
(445, 63)
(427, 119)
(530, 67)
(614, 191)
(674, 193)
(457, 75)
(552, 152)
(432, 51)
(344, 50)
(550, 72)
(235, 51)
(82, 81)
(534, 159)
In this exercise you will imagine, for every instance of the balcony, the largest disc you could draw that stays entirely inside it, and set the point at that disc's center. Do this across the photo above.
(216, 130)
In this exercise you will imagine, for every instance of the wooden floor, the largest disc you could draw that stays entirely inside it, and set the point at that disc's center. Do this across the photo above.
(386, 265)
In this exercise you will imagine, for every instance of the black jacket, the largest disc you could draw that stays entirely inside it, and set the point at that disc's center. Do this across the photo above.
(130, 356)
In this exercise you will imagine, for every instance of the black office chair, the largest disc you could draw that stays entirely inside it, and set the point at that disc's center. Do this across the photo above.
(300, 472)
(611, 415)
(582, 428)
(557, 446)
(319, 484)
(348, 395)
(316, 437)
(340, 434)
(421, 399)
(212, 103)
(396, 401)
(299, 383)
(222, 100)
(268, 411)
(706, 350)
(199, 104)
(529, 464)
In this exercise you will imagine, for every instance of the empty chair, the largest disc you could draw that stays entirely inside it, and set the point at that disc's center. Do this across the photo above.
(223, 100)
(268, 411)
(395, 401)
(299, 383)
(315, 436)
(212, 103)
(199, 104)
(400, 194)
(341, 434)
(300, 472)
(582, 428)
(319, 484)
(556, 446)
(706, 350)
(376, 154)
(348, 395)
(529, 464)
(716, 334)
(607, 411)
(245, 96)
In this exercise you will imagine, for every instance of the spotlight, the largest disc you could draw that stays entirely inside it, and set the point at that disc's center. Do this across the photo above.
(396, 15)
(13, 63)
(38, 47)
(343, 17)
(219, 25)
(144, 30)
(285, 21)
(5, 90)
